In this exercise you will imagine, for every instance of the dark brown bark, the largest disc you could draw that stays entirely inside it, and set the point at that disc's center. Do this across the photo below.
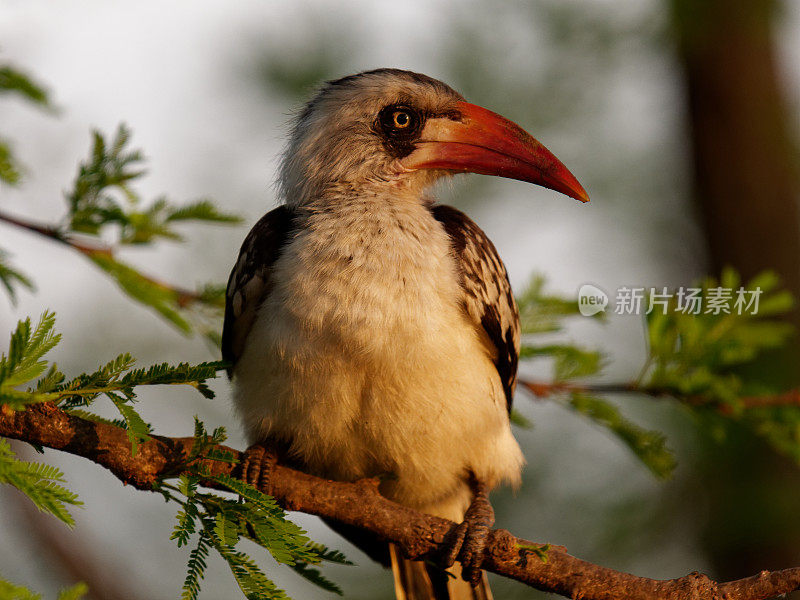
(745, 159)
(359, 504)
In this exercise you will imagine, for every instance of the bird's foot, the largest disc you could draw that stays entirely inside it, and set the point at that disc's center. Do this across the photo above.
(467, 541)
(257, 466)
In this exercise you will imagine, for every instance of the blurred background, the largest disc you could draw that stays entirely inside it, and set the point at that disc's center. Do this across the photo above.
(679, 117)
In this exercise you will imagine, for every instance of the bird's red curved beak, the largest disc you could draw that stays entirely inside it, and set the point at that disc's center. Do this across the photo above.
(481, 141)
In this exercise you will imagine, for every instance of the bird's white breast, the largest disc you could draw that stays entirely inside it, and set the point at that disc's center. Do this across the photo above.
(362, 357)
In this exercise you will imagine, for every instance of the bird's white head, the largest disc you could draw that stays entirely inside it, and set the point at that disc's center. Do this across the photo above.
(397, 128)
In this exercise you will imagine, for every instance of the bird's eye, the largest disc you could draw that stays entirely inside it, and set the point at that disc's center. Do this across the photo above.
(401, 119)
(398, 121)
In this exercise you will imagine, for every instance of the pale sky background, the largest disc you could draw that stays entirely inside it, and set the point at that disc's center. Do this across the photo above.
(179, 74)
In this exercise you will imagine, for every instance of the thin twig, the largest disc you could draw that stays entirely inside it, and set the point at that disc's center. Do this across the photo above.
(544, 389)
(183, 296)
(45, 230)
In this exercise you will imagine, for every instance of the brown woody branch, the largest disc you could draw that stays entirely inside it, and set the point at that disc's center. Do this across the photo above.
(359, 504)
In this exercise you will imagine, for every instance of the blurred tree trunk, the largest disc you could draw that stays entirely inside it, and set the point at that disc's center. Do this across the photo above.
(747, 187)
(746, 179)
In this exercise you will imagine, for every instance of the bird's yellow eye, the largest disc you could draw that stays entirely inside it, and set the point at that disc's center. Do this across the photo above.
(401, 119)
(398, 122)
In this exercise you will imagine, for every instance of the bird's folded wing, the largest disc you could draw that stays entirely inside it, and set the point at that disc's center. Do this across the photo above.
(488, 299)
(250, 280)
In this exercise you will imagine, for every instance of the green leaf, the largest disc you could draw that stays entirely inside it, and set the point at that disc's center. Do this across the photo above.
(226, 529)
(251, 579)
(694, 353)
(649, 446)
(138, 431)
(201, 210)
(186, 525)
(116, 380)
(162, 299)
(198, 562)
(222, 522)
(24, 360)
(315, 576)
(9, 591)
(542, 313)
(250, 493)
(213, 294)
(10, 172)
(76, 592)
(10, 277)
(569, 362)
(708, 359)
(103, 202)
(111, 167)
(17, 82)
(204, 442)
(323, 553)
(39, 482)
(520, 420)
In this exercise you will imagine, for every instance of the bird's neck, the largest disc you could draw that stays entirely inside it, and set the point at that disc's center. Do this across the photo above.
(369, 230)
(369, 193)
(365, 264)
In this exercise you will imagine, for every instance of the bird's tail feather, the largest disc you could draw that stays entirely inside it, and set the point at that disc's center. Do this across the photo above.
(415, 580)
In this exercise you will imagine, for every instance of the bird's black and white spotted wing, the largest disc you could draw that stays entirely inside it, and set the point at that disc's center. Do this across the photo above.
(488, 299)
(250, 280)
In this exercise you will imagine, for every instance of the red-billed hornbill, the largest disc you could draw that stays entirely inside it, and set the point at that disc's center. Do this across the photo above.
(373, 333)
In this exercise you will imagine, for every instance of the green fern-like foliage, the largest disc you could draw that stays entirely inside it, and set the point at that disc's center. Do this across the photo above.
(696, 357)
(648, 445)
(39, 482)
(10, 172)
(542, 313)
(103, 199)
(112, 167)
(76, 592)
(221, 523)
(103, 203)
(10, 277)
(24, 360)
(696, 354)
(14, 82)
(117, 380)
(10, 591)
(197, 567)
(704, 358)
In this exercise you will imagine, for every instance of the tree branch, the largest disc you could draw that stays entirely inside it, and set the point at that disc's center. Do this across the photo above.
(359, 504)
(184, 296)
(543, 389)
